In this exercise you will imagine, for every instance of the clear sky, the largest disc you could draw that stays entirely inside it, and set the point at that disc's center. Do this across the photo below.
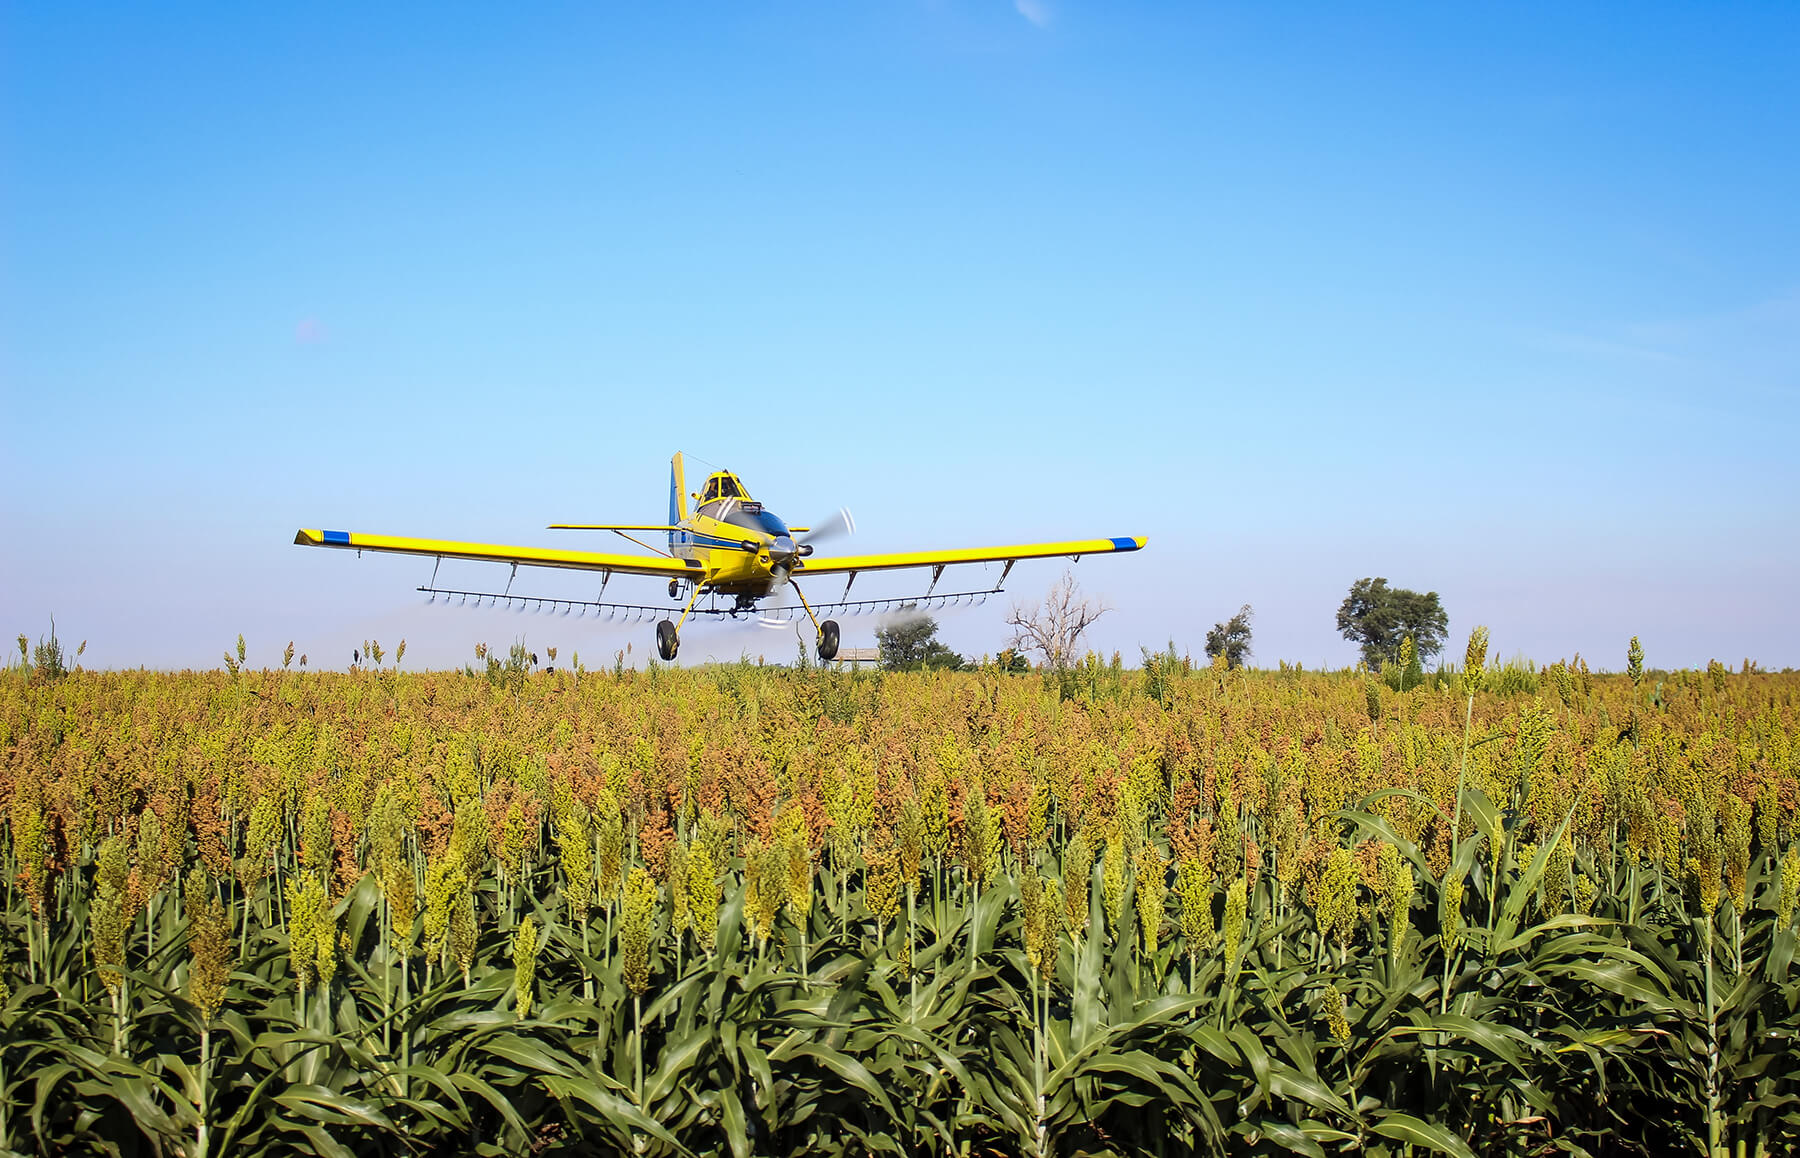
(1497, 301)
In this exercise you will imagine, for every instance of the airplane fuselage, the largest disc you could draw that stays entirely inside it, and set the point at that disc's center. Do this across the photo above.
(736, 558)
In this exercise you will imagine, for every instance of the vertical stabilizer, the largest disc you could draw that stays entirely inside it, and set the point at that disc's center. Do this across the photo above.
(678, 511)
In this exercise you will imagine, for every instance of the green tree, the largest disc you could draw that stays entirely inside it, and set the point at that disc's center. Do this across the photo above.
(1230, 639)
(912, 645)
(1379, 618)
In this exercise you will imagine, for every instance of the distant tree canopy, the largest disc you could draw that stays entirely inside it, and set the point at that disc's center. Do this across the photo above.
(1231, 639)
(1379, 618)
(912, 645)
(1012, 662)
(1053, 628)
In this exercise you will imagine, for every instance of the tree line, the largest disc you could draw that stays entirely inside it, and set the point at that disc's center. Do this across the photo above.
(1390, 625)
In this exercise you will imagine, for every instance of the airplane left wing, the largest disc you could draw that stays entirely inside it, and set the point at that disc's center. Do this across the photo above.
(492, 553)
(846, 563)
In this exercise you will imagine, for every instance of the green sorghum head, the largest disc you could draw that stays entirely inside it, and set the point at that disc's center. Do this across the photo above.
(524, 955)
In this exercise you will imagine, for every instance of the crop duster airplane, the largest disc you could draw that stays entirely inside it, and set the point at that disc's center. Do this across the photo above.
(728, 545)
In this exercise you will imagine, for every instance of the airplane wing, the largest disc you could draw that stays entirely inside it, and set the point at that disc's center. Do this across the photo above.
(847, 563)
(488, 552)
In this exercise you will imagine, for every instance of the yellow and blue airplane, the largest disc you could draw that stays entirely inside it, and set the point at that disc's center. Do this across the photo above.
(727, 544)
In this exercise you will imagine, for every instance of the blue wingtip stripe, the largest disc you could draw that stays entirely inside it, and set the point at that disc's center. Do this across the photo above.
(337, 538)
(1125, 544)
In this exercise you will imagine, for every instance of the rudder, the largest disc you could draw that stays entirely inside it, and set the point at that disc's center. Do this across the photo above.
(677, 495)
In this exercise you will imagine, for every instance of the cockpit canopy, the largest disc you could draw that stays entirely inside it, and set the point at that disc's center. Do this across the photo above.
(723, 485)
(724, 498)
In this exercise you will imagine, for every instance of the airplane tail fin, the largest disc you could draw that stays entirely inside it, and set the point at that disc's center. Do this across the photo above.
(678, 511)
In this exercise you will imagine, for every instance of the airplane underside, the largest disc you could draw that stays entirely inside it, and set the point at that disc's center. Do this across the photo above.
(717, 605)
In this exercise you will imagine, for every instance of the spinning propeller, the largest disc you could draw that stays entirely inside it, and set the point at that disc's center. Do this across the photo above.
(838, 525)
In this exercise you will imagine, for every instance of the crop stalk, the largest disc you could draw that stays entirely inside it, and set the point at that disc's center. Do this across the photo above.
(405, 1031)
(1713, 1149)
(937, 894)
(912, 974)
(1039, 1011)
(974, 904)
(1280, 898)
(1462, 774)
(637, 1045)
(587, 978)
(387, 985)
(843, 895)
(200, 1131)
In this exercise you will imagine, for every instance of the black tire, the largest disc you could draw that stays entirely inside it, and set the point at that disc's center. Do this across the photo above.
(828, 640)
(666, 641)
(674, 589)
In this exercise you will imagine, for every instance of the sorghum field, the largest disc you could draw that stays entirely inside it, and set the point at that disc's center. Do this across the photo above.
(745, 910)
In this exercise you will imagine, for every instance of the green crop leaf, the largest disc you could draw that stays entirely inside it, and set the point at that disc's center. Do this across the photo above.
(1415, 1132)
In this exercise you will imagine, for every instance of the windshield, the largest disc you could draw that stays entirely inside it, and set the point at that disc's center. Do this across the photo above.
(722, 486)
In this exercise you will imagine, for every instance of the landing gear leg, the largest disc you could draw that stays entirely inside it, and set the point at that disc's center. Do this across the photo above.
(828, 630)
(668, 635)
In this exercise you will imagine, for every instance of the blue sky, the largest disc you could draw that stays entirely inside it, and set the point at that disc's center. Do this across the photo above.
(1502, 303)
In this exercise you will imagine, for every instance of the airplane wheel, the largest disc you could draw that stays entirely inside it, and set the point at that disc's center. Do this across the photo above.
(674, 589)
(828, 640)
(666, 641)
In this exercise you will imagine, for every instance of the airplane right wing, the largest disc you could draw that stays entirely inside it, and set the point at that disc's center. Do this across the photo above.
(840, 564)
(490, 553)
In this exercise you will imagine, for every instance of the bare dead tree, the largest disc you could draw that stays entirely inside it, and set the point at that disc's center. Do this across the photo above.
(1052, 628)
